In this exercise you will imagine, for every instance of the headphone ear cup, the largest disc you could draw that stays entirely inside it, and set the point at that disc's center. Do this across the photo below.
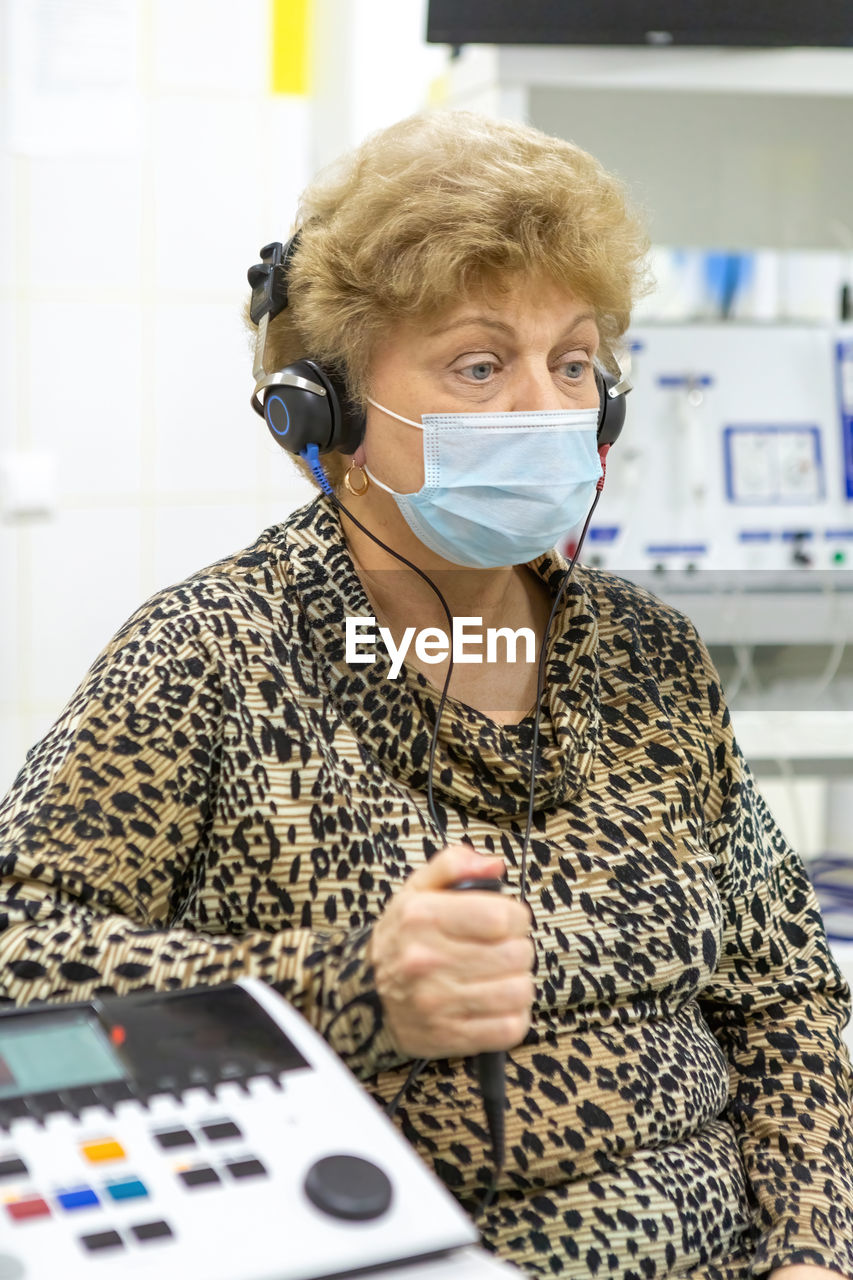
(296, 416)
(611, 411)
(351, 421)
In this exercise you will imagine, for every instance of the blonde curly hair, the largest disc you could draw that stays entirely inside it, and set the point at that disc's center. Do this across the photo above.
(435, 206)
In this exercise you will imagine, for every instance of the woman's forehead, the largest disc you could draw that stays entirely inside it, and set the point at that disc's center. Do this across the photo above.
(520, 305)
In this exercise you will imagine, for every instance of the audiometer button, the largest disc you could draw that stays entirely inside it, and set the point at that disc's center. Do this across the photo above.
(145, 1231)
(32, 1207)
(169, 1138)
(13, 1109)
(111, 1092)
(102, 1240)
(13, 1167)
(79, 1097)
(44, 1104)
(246, 1169)
(127, 1189)
(348, 1187)
(220, 1130)
(108, 1149)
(199, 1177)
(79, 1198)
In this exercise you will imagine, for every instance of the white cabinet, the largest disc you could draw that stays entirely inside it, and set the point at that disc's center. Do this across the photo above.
(723, 147)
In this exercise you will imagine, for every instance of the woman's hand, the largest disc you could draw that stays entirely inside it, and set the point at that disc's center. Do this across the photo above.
(453, 970)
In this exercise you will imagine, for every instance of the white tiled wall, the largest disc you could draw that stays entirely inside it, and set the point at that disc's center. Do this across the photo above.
(199, 47)
(84, 225)
(88, 410)
(87, 584)
(122, 350)
(7, 202)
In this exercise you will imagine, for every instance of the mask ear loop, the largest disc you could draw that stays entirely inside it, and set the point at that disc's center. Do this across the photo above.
(362, 462)
(410, 422)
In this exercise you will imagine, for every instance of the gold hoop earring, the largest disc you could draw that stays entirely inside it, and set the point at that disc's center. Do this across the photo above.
(348, 485)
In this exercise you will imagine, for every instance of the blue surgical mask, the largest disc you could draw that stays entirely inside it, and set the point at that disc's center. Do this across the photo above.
(500, 488)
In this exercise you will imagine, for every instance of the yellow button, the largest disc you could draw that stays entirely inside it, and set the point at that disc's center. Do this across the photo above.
(109, 1150)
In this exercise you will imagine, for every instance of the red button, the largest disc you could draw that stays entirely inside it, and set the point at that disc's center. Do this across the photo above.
(33, 1208)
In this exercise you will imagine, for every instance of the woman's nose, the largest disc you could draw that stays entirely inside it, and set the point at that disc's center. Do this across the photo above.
(534, 390)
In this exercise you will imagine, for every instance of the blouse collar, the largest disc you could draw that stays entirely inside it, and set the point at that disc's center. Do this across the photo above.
(480, 765)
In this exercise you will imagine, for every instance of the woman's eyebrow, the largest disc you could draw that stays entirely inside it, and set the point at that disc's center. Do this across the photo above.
(500, 325)
(468, 320)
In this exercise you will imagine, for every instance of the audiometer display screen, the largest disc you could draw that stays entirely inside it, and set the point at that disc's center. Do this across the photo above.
(205, 1033)
(42, 1055)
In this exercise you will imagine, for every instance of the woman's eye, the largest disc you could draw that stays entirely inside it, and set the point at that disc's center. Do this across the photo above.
(480, 372)
(574, 369)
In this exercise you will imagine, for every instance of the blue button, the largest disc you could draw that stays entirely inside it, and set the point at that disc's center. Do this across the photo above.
(130, 1189)
(79, 1199)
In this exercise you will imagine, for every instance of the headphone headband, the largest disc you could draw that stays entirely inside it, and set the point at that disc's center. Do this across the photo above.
(305, 404)
(269, 278)
(283, 379)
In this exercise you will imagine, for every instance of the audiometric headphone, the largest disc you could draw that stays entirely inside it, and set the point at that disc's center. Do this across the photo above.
(304, 404)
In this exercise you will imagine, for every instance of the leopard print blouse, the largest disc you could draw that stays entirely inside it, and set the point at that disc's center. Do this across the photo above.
(226, 796)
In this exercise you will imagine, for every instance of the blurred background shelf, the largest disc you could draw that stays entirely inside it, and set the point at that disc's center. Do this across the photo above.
(804, 742)
(759, 607)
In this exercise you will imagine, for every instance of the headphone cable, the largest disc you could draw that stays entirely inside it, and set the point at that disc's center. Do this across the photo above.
(490, 1066)
(311, 455)
(540, 687)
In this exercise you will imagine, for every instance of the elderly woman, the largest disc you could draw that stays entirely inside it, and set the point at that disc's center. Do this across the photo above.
(235, 790)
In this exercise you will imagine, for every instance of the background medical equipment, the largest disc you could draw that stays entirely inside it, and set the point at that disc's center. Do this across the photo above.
(208, 1133)
(741, 455)
(732, 499)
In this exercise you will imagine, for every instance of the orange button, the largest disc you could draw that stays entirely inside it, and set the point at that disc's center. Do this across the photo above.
(107, 1150)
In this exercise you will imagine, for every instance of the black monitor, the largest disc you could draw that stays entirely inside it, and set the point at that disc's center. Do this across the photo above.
(744, 23)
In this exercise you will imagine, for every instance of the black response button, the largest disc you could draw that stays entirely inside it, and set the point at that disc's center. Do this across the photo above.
(246, 1169)
(348, 1187)
(220, 1130)
(151, 1230)
(102, 1240)
(175, 1138)
(199, 1177)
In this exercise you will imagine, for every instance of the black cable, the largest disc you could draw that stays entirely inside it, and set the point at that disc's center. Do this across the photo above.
(488, 1195)
(414, 1071)
(540, 686)
(490, 1066)
(311, 456)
